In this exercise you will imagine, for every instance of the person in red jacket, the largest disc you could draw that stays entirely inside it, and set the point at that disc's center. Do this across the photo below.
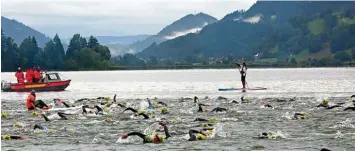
(33, 104)
(29, 77)
(37, 75)
(20, 76)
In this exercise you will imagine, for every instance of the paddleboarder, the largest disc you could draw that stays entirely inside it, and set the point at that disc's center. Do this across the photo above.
(243, 72)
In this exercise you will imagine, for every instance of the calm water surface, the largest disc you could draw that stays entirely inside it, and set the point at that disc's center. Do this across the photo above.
(234, 130)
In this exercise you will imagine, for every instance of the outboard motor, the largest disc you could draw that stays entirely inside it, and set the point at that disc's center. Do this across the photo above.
(5, 85)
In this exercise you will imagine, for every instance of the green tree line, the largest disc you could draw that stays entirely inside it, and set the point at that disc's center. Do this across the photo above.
(81, 54)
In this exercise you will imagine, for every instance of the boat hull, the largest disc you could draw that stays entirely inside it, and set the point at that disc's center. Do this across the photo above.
(39, 87)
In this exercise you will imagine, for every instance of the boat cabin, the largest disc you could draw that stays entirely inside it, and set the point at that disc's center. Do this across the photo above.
(51, 77)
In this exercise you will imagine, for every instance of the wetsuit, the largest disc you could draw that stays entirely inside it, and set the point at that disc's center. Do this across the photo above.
(135, 111)
(61, 115)
(204, 125)
(96, 106)
(200, 107)
(263, 135)
(219, 109)
(147, 139)
(201, 119)
(195, 99)
(326, 106)
(299, 116)
(350, 108)
(162, 103)
(268, 106)
(10, 137)
(200, 135)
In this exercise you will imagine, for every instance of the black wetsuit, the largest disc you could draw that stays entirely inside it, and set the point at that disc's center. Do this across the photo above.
(195, 99)
(219, 109)
(9, 137)
(350, 108)
(135, 111)
(60, 114)
(193, 132)
(268, 106)
(201, 119)
(263, 135)
(162, 103)
(296, 116)
(146, 138)
(40, 104)
(326, 106)
(96, 106)
(200, 107)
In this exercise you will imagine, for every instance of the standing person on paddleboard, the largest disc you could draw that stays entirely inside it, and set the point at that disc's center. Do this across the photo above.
(243, 72)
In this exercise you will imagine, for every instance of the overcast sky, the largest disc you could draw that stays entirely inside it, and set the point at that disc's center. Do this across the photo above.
(111, 17)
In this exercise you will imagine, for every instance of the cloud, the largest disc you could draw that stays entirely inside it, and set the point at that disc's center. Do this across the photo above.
(111, 17)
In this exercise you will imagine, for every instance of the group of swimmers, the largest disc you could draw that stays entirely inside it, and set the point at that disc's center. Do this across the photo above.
(98, 108)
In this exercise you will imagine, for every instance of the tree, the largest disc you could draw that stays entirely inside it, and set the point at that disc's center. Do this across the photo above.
(10, 58)
(342, 56)
(28, 50)
(74, 45)
(293, 61)
(353, 53)
(92, 42)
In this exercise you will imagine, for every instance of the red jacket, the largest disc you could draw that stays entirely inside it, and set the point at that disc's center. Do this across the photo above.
(20, 75)
(37, 74)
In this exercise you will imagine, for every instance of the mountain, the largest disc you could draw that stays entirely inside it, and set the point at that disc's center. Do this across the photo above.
(19, 31)
(273, 29)
(187, 24)
(125, 40)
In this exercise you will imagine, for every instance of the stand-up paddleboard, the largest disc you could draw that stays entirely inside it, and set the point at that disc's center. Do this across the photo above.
(235, 89)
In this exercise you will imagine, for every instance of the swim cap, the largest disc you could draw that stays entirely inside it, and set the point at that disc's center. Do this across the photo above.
(4, 114)
(200, 137)
(174, 121)
(106, 109)
(164, 110)
(155, 98)
(325, 101)
(17, 124)
(208, 132)
(34, 114)
(213, 119)
(71, 118)
(147, 138)
(51, 130)
(204, 124)
(37, 132)
(155, 105)
(271, 137)
(302, 117)
(6, 137)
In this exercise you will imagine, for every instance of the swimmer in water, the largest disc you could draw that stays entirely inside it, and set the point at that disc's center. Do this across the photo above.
(200, 107)
(326, 105)
(268, 106)
(33, 104)
(299, 116)
(244, 100)
(350, 108)
(11, 137)
(58, 116)
(219, 109)
(60, 102)
(199, 135)
(212, 119)
(146, 139)
(195, 99)
(136, 113)
(90, 109)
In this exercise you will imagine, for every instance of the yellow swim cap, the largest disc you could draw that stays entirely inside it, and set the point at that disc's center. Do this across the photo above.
(174, 121)
(302, 117)
(200, 137)
(212, 119)
(6, 137)
(51, 130)
(16, 124)
(148, 139)
(155, 98)
(271, 137)
(208, 132)
(71, 118)
(4, 114)
(164, 110)
(34, 114)
(161, 138)
(155, 105)
(106, 109)
(37, 132)
(325, 101)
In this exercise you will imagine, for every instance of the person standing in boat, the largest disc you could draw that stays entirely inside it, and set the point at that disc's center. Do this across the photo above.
(20, 76)
(243, 72)
(29, 76)
(37, 75)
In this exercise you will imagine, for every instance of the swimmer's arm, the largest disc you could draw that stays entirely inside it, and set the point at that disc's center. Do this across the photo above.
(167, 135)
(142, 136)
(131, 109)
(145, 115)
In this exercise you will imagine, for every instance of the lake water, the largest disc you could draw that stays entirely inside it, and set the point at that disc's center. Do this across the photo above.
(237, 127)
